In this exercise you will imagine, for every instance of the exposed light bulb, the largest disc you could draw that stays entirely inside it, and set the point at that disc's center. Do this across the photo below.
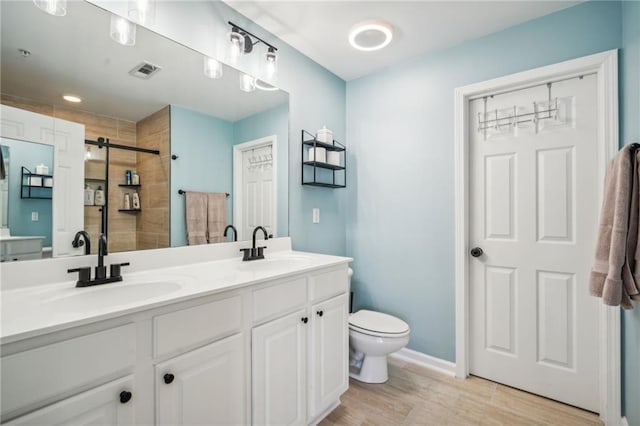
(212, 68)
(123, 31)
(142, 11)
(271, 59)
(52, 7)
(237, 45)
(247, 83)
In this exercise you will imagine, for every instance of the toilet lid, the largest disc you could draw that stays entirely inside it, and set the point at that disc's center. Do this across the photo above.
(377, 322)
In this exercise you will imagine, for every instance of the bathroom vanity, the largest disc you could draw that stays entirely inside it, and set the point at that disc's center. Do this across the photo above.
(210, 342)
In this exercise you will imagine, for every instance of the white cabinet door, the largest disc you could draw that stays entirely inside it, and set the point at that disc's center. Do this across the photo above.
(279, 351)
(110, 404)
(204, 386)
(328, 372)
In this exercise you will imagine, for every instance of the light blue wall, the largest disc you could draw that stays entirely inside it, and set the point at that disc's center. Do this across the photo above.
(316, 98)
(400, 215)
(29, 155)
(271, 122)
(204, 145)
(630, 132)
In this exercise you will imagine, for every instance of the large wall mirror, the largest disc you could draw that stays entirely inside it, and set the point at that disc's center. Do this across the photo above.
(190, 133)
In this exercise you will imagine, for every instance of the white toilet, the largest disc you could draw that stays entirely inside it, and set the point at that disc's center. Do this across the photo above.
(373, 336)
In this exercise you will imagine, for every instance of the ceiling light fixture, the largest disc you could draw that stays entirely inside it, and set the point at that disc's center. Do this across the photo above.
(242, 42)
(52, 7)
(72, 98)
(122, 30)
(265, 86)
(370, 35)
(142, 11)
(212, 68)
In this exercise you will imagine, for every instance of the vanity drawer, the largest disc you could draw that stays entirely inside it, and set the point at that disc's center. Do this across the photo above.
(272, 301)
(324, 285)
(39, 376)
(189, 327)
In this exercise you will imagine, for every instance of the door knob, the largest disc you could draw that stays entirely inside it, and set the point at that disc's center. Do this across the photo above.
(168, 378)
(125, 396)
(320, 313)
(476, 252)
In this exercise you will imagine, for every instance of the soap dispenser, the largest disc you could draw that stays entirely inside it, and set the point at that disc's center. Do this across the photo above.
(99, 197)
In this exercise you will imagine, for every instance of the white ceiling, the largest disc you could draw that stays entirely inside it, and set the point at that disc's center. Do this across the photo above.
(74, 54)
(319, 29)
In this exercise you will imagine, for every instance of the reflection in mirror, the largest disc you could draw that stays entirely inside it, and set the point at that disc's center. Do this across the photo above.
(26, 200)
(4, 190)
(224, 140)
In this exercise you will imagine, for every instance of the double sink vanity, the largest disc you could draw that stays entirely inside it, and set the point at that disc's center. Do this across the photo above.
(192, 335)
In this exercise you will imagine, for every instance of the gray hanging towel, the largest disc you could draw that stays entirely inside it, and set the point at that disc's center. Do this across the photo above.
(612, 276)
(195, 204)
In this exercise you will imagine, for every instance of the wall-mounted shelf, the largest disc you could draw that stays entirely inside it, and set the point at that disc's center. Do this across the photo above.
(34, 185)
(126, 185)
(323, 174)
(130, 210)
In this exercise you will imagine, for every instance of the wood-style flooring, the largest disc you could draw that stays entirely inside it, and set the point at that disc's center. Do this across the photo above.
(418, 396)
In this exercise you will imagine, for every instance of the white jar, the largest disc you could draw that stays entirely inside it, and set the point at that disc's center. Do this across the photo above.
(333, 158)
(318, 154)
(42, 169)
(324, 135)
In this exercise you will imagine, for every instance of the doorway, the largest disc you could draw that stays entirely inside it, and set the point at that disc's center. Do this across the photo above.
(520, 194)
(255, 186)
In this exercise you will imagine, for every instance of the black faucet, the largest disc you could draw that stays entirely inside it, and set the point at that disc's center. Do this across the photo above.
(255, 253)
(86, 243)
(235, 232)
(84, 273)
(101, 270)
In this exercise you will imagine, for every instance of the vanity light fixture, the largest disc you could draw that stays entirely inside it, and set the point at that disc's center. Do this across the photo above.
(242, 42)
(142, 11)
(52, 7)
(247, 82)
(72, 98)
(370, 35)
(212, 67)
(122, 30)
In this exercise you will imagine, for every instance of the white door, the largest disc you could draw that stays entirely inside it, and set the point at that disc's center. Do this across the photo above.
(255, 187)
(203, 387)
(278, 371)
(534, 213)
(329, 370)
(67, 139)
(110, 404)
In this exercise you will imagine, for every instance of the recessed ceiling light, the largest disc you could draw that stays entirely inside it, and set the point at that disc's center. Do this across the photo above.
(72, 98)
(370, 35)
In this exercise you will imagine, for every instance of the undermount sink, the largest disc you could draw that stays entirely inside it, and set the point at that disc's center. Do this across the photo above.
(108, 295)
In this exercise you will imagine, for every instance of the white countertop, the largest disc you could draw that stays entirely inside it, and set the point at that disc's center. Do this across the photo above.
(36, 310)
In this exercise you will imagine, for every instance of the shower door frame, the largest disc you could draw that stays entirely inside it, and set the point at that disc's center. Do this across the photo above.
(605, 66)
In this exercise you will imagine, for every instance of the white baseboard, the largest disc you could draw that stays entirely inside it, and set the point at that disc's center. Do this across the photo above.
(624, 422)
(427, 361)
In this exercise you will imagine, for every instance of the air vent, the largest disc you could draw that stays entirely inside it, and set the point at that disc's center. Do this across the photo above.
(145, 70)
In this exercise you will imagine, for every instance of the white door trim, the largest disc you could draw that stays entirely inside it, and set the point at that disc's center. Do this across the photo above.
(237, 179)
(605, 66)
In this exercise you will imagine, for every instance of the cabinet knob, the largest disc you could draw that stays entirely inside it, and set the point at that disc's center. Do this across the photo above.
(125, 396)
(320, 313)
(304, 320)
(168, 378)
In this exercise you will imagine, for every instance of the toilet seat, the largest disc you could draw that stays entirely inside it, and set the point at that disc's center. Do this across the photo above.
(378, 324)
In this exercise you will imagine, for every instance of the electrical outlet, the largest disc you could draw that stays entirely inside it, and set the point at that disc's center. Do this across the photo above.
(316, 215)
(34, 216)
